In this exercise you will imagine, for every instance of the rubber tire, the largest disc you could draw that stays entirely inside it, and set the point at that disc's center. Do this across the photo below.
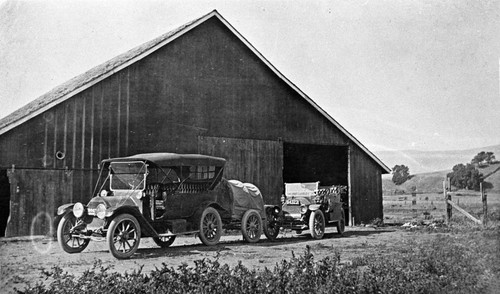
(251, 226)
(341, 225)
(63, 231)
(164, 244)
(210, 236)
(273, 231)
(116, 225)
(317, 224)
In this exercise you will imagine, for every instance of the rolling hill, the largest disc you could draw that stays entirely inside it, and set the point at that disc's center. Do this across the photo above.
(429, 168)
(431, 161)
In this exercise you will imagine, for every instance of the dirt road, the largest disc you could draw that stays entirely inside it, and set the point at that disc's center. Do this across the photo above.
(23, 259)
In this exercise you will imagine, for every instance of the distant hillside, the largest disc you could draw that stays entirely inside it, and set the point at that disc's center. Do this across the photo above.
(431, 161)
(433, 182)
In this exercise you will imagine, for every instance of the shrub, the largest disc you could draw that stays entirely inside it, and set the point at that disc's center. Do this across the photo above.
(445, 264)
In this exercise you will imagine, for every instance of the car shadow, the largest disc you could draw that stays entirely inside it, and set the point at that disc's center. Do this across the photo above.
(227, 245)
(350, 234)
(179, 250)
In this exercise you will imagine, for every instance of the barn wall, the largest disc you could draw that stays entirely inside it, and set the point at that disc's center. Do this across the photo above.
(259, 162)
(34, 194)
(366, 187)
(206, 83)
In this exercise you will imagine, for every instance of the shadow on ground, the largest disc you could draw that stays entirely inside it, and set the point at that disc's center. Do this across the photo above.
(228, 245)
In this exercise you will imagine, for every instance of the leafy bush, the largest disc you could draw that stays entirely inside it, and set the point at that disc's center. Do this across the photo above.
(446, 264)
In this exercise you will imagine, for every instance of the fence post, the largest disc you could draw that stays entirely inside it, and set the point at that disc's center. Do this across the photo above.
(484, 197)
(447, 197)
(448, 207)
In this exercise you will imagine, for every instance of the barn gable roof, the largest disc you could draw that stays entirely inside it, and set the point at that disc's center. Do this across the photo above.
(100, 72)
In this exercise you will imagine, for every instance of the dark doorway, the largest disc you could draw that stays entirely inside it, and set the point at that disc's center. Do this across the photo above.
(4, 201)
(311, 163)
(327, 164)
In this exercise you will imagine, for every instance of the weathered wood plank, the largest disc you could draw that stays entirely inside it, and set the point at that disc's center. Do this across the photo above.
(468, 215)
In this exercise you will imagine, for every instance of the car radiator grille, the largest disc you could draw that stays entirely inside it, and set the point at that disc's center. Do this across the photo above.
(292, 209)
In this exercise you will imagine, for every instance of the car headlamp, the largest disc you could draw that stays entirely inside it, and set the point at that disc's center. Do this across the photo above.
(303, 209)
(276, 210)
(78, 210)
(101, 211)
(104, 193)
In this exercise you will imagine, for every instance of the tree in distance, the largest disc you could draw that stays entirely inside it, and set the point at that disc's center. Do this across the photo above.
(465, 177)
(484, 158)
(400, 174)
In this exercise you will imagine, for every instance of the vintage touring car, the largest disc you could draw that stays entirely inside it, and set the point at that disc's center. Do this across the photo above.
(308, 206)
(161, 195)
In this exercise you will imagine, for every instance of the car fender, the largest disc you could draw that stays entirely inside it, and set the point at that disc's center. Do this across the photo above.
(147, 229)
(314, 207)
(273, 207)
(195, 218)
(213, 204)
(63, 209)
(273, 210)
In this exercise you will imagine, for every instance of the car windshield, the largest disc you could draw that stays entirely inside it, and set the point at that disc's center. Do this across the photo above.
(304, 190)
(127, 175)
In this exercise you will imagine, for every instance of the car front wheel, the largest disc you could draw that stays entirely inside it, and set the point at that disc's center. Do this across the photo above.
(251, 226)
(271, 227)
(65, 235)
(210, 227)
(123, 236)
(317, 224)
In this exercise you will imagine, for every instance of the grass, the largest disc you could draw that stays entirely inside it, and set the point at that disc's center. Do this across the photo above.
(452, 259)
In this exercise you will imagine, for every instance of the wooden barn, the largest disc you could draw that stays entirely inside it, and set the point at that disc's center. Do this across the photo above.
(201, 88)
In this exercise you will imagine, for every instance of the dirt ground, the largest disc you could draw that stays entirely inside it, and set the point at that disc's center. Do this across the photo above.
(23, 259)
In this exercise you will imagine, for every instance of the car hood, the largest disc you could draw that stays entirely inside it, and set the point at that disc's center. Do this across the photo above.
(113, 202)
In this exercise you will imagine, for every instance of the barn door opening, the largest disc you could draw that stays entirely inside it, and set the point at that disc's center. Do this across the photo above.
(4, 201)
(327, 164)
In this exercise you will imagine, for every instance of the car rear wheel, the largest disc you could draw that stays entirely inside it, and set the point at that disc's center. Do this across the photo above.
(124, 235)
(164, 242)
(251, 226)
(210, 227)
(271, 227)
(317, 224)
(341, 225)
(68, 242)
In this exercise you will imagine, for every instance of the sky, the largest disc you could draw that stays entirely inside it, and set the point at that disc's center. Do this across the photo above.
(398, 75)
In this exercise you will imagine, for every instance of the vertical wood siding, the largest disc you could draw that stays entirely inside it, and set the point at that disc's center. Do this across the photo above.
(34, 198)
(366, 188)
(258, 162)
(201, 85)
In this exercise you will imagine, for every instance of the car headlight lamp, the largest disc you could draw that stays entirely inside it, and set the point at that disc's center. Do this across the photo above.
(276, 210)
(101, 211)
(78, 210)
(303, 209)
